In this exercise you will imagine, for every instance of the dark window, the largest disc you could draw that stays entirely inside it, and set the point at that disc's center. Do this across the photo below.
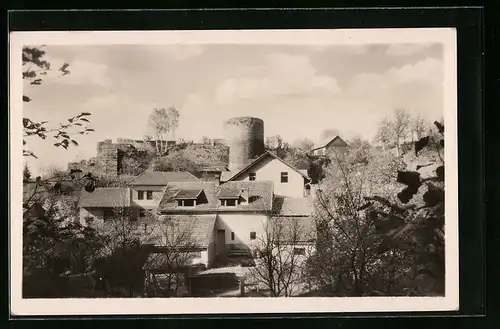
(223, 202)
(299, 251)
(140, 195)
(142, 213)
(253, 235)
(232, 236)
(284, 177)
(188, 203)
(231, 202)
(149, 195)
(179, 203)
(251, 176)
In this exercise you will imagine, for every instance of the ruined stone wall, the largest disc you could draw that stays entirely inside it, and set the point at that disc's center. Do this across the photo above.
(245, 138)
(107, 157)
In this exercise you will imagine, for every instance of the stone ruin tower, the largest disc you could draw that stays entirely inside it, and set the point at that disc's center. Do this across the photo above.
(107, 157)
(245, 138)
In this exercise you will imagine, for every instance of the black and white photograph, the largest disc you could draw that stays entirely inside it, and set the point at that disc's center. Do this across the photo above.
(183, 172)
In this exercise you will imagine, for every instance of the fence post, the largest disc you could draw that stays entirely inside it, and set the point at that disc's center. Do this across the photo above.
(242, 287)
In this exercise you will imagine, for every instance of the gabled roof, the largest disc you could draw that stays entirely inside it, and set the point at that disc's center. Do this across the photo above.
(229, 192)
(105, 197)
(162, 177)
(260, 158)
(329, 141)
(185, 231)
(287, 206)
(260, 197)
(188, 194)
(294, 230)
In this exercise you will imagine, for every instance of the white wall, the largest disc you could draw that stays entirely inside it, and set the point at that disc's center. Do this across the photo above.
(270, 169)
(204, 259)
(241, 224)
(157, 194)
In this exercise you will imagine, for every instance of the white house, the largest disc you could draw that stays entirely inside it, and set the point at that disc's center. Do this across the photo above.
(217, 219)
(287, 180)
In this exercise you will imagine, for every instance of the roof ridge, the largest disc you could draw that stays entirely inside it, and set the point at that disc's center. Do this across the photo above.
(267, 152)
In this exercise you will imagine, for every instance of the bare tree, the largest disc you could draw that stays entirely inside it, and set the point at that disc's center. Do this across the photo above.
(305, 145)
(384, 136)
(274, 142)
(348, 245)
(418, 128)
(175, 248)
(278, 267)
(401, 126)
(163, 121)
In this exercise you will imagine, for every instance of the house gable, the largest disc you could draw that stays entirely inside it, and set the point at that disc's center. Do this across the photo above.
(262, 158)
(336, 142)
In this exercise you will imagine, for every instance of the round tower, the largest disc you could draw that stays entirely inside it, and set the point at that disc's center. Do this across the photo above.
(245, 138)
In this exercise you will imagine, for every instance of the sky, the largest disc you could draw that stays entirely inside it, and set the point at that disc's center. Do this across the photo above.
(299, 91)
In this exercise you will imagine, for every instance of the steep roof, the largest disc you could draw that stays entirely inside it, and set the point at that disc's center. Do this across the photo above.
(259, 159)
(288, 206)
(329, 141)
(105, 197)
(185, 231)
(260, 197)
(162, 177)
(294, 230)
(229, 191)
(188, 194)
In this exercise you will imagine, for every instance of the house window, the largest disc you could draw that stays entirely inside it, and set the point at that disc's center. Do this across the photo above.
(299, 251)
(251, 176)
(149, 195)
(186, 203)
(284, 177)
(232, 236)
(140, 195)
(253, 235)
(228, 202)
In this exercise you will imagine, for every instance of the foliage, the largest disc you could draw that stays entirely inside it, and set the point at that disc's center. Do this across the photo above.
(35, 70)
(192, 158)
(135, 161)
(420, 233)
(51, 248)
(163, 121)
(396, 132)
(26, 173)
(377, 239)
(348, 244)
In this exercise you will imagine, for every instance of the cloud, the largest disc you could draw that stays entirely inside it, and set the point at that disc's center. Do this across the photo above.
(82, 72)
(282, 75)
(416, 87)
(429, 70)
(406, 49)
(342, 49)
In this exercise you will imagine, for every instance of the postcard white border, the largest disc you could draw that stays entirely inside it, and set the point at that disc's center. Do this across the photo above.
(116, 306)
